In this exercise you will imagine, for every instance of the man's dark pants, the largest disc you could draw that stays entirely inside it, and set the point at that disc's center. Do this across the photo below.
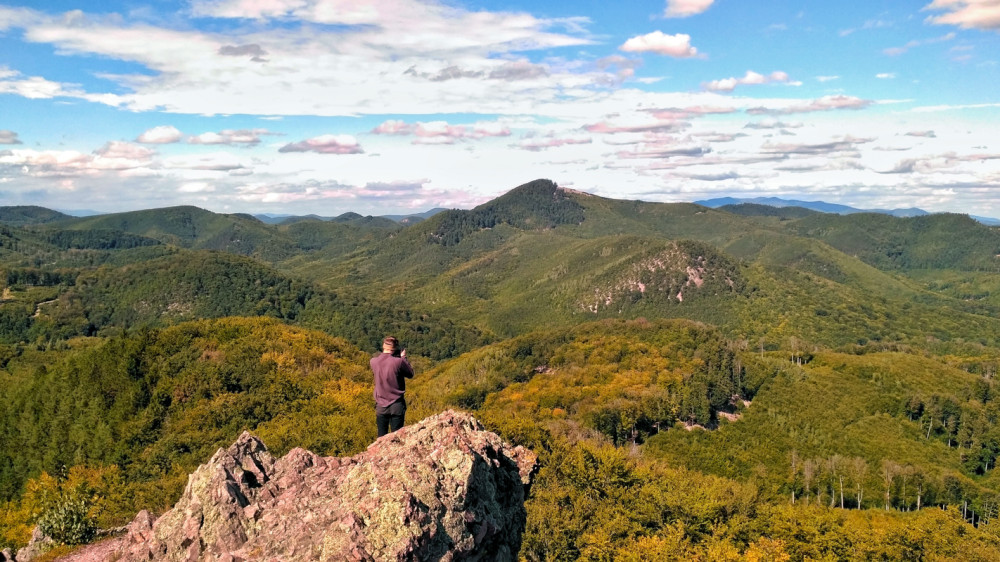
(390, 418)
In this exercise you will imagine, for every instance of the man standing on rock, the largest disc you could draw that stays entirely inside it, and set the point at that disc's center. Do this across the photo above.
(391, 370)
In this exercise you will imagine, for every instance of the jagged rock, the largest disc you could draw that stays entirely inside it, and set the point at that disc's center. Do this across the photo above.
(443, 489)
(6, 555)
(38, 544)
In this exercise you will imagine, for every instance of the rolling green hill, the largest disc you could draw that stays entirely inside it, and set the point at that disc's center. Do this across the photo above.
(700, 384)
(823, 445)
(191, 227)
(49, 306)
(757, 210)
(29, 214)
(517, 264)
(940, 241)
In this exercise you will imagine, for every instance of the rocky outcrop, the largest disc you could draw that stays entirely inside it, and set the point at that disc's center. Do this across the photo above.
(443, 489)
(37, 546)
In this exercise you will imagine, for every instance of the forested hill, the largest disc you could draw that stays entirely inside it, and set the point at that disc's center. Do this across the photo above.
(29, 214)
(191, 227)
(699, 384)
(50, 306)
(940, 241)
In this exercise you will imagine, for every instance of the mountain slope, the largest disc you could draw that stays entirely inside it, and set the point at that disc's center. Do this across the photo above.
(941, 241)
(191, 227)
(29, 214)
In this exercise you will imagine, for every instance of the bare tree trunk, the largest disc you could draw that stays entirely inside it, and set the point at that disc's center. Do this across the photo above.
(841, 492)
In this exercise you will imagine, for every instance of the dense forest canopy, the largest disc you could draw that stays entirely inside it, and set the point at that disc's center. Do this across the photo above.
(713, 384)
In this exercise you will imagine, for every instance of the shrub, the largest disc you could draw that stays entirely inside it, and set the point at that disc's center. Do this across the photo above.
(68, 523)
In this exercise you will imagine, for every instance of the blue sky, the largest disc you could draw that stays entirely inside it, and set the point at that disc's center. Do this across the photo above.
(394, 106)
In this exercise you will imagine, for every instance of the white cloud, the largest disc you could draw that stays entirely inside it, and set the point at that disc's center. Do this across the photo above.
(47, 162)
(119, 150)
(195, 187)
(825, 103)
(885, 75)
(442, 132)
(967, 14)
(827, 78)
(536, 144)
(751, 77)
(685, 8)
(163, 134)
(32, 87)
(246, 137)
(343, 70)
(325, 144)
(678, 45)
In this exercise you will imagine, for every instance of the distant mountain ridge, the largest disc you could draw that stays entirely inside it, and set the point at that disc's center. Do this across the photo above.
(38, 215)
(824, 207)
(349, 217)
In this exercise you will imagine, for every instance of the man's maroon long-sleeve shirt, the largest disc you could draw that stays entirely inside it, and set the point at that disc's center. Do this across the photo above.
(391, 373)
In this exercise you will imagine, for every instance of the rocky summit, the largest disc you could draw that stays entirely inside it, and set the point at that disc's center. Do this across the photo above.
(442, 489)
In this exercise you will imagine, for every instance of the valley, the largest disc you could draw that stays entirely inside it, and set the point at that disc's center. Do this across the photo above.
(744, 382)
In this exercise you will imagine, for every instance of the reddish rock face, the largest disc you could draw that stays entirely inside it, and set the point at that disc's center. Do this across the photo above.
(442, 489)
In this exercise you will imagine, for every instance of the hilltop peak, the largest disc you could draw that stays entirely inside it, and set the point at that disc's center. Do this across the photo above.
(536, 205)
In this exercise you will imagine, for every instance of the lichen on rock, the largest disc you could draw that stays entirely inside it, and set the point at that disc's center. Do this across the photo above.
(442, 489)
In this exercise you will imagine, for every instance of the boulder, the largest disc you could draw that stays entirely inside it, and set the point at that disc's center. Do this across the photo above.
(38, 544)
(442, 489)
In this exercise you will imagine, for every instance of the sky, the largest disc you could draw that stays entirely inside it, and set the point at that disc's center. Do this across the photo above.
(399, 106)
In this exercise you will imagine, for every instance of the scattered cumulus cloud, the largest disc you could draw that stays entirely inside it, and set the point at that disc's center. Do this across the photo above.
(685, 8)
(885, 75)
(689, 112)
(163, 134)
(825, 103)
(847, 144)
(668, 151)
(325, 144)
(604, 127)
(678, 46)
(441, 131)
(751, 77)
(124, 151)
(536, 144)
(382, 58)
(246, 137)
(771, 124)
(318, 72)
(967, 14)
